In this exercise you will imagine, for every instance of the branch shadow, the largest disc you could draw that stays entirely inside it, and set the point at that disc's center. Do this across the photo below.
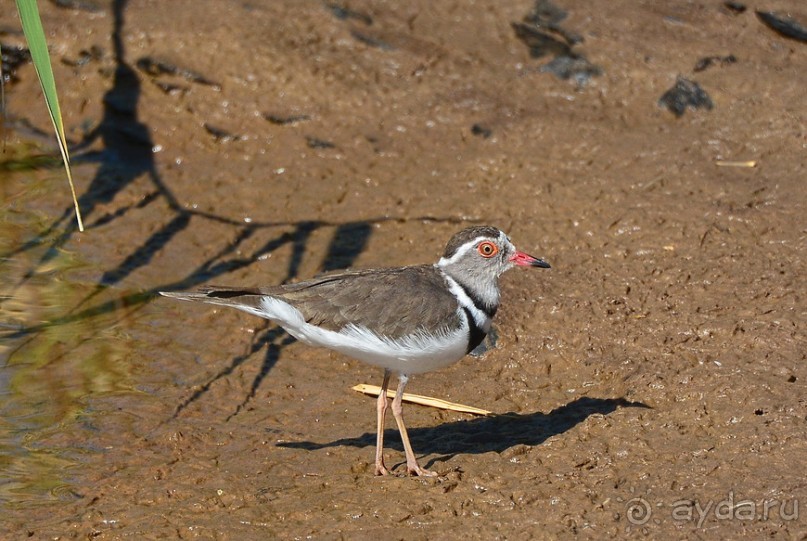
(346, 245)
(265, 339)
(127, 156)
(492, 433)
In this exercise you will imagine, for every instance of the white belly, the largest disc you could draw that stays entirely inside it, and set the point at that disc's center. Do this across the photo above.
(413, 354)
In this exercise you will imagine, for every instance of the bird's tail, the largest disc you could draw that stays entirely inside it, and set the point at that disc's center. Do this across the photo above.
(234, 297)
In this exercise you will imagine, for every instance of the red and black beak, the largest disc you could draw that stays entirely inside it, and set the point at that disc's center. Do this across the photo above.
(525, 260)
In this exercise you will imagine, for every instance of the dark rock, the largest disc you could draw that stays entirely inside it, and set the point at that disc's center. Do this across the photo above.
(343, 13)
(282, 120)
(13, 58)
(784, 25)
(572, 67)
(78, 5)
(735, 7)
(155, 68)
(545, 13)
(221, 135)
(540, 43)
(372, 41)
(685, 94)
(541, 32)
(708, 61)
(85, 57)
(315, 142)
(484, 132)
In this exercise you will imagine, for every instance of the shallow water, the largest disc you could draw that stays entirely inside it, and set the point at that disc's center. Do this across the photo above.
(54, 358)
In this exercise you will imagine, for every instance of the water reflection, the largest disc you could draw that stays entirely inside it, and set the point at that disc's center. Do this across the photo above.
(47, 375)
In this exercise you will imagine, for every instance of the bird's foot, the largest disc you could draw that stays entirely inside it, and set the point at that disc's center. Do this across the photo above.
(415, 469)
(380, 469)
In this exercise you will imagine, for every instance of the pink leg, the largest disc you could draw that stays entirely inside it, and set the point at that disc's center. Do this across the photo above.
(397, 411)
(381, 408)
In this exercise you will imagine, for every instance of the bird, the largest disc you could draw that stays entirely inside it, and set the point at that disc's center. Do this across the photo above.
(407, 320)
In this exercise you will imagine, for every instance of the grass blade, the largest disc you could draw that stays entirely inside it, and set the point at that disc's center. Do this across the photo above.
(2, 103)
(35, 35)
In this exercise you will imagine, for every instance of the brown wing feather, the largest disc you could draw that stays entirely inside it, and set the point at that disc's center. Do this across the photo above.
(397, 301)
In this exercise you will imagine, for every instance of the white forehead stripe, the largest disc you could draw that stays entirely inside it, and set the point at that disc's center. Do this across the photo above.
(467, 246)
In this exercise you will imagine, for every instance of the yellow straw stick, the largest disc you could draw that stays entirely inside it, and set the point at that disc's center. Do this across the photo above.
(750, 163)
(374, 390)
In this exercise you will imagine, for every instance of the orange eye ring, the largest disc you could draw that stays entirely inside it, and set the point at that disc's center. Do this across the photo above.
(487, 249)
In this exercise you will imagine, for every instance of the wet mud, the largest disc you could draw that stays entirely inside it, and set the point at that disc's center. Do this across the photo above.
(651, 385)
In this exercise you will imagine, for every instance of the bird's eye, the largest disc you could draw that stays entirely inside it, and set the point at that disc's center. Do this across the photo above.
(487, 249)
